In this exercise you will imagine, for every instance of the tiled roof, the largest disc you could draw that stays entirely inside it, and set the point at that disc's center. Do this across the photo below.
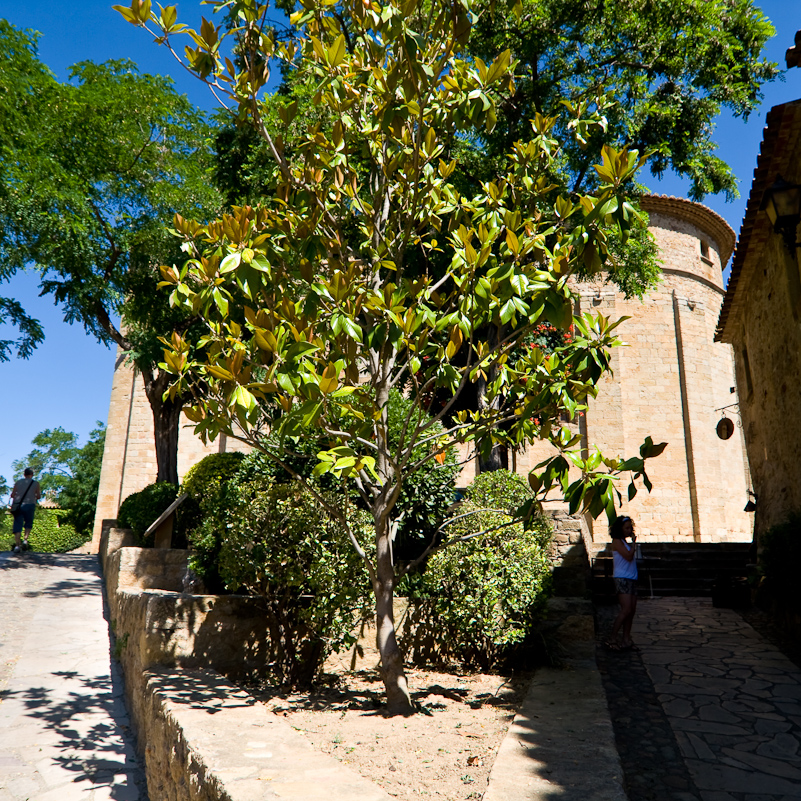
(783, 124)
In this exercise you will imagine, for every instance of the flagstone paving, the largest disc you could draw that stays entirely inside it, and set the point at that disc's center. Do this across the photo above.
(64, 730)
(706, 710)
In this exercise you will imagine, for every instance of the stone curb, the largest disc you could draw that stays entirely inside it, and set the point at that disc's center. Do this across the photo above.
(561, 744)
(209, 741)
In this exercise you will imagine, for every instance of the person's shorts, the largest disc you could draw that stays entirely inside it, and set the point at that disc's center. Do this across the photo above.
(24, 517)
(626, 586)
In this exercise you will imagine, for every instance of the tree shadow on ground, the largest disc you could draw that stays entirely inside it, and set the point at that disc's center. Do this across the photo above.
(87, 726)
(82, 564)
(363, 690)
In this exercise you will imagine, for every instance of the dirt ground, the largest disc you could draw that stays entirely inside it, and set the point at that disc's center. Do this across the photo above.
(444, 752)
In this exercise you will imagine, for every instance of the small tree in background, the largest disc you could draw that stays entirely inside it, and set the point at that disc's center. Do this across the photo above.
(68, 474)
(52, 459)
(369, 269)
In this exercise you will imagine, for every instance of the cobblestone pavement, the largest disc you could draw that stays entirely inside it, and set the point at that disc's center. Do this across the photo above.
(64, 730)
(706, 710)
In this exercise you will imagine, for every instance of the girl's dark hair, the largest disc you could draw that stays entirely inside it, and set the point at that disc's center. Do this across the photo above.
(616, 529)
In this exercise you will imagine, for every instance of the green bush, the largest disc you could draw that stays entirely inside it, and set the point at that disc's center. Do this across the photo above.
(202, 481)
(276, 541)
(422, 505)
(140, 510)
(780, 559)
(483, 595)
(50, 534)
(427, 493)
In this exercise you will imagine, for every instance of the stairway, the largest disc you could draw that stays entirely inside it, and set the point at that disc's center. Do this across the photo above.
(691, 569)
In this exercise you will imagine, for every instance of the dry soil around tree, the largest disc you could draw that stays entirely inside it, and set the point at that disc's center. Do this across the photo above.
(445, 751)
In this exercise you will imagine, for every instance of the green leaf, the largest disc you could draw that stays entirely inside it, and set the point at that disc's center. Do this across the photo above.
(230, 262)
(336, 53)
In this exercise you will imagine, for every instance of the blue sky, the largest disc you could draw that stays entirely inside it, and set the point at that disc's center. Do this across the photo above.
(67, 381)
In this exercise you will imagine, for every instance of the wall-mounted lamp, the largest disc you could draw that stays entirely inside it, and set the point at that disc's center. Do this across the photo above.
(751, 505)
(782, 202)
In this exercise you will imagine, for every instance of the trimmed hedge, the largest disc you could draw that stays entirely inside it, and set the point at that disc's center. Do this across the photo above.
(50, 534)
(140, 510)
(484, 596)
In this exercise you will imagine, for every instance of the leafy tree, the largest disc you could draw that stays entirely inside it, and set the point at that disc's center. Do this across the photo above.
(369, 269)
(86, 187)
(52, 459)
(79, 495)
(66, 472)
(657, 72)
(23, 78)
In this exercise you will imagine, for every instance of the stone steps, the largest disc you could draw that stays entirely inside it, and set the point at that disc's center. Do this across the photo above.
(700, 570)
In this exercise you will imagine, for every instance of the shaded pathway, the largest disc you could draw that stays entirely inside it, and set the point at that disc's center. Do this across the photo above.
(707, 710)
(64, 730)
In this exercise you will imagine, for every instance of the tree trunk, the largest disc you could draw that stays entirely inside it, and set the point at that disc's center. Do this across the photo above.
(399, 702)
(166, 422)
(498, 457)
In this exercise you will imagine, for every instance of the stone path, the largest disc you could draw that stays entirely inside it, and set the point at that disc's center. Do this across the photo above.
(707, 710)
(64, 730)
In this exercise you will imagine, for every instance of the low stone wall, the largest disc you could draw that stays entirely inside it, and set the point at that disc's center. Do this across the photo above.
(158, 627)
(209, 741)
(201, 737)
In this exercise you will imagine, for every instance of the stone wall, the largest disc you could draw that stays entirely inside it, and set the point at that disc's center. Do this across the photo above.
(761, 318)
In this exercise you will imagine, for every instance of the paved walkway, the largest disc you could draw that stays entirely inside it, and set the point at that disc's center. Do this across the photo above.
(707, 709)
(64, 731)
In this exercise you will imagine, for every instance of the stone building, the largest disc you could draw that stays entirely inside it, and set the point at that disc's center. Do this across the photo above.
(761, 319)
(670, 382)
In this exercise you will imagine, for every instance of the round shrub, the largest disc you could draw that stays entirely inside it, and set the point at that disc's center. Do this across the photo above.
(482, 595)
(499, 489)
(140, 510)
(280, 543)
(50, 534)
(202, 481)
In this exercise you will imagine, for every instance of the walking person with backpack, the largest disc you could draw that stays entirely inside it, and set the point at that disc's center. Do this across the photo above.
(24, 496)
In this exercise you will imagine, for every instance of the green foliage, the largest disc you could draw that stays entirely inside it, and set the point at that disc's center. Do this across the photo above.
(52, 460)
(655, 72)
(202, 483)
(88, 190)
(372, 268)
(427, 492)
(68, 473)
(780, 561)
(141, 509)
(51, 532)
(277, 542)
(23, 80)
(484, 593)
(79, 495)
(499, 489)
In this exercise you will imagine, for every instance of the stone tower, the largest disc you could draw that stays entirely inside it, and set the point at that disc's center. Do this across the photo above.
(670, 382)
(674, 383)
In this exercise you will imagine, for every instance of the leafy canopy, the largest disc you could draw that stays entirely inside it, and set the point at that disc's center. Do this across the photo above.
(67, 472)
(655, 72)
(324, 298)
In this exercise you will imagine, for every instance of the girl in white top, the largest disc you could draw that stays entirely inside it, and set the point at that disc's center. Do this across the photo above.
(625, 577)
